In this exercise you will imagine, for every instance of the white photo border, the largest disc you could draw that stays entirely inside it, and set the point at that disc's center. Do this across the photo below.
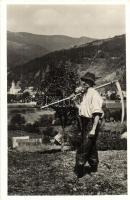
(3, 93)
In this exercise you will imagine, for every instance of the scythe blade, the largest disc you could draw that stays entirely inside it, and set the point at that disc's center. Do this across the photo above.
(122, 100)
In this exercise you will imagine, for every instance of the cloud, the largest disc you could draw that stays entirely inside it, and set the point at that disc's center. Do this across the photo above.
(99, 21)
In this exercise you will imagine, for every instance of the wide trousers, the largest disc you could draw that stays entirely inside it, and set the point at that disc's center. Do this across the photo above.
(87, 151)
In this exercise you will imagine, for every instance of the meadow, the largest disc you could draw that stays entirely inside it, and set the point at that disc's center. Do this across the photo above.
(52, 173)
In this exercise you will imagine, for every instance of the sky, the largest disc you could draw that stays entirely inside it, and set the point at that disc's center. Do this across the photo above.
(95, 21)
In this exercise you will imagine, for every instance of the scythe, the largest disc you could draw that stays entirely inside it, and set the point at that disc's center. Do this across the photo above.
(116, 82)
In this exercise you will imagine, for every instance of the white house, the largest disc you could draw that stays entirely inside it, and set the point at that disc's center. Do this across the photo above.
(15, 89)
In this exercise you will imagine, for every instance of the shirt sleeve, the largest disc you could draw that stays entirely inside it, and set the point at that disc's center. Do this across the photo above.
(97, 103)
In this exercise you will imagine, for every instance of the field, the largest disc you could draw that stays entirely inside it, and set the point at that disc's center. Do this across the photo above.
(31, 114)
(52, 174)
(111, 104)
(41, 173)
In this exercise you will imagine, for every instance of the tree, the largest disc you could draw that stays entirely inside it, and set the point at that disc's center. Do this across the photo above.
(64, 77)
(25, 96)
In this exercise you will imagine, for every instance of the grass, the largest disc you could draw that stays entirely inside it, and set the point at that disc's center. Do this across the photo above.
(52, 174)
(30, 114)
(35, 173)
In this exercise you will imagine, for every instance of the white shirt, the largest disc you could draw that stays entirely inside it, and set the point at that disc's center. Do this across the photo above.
(91, 103)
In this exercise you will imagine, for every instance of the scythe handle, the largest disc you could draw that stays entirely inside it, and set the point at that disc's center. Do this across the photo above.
(70, 97)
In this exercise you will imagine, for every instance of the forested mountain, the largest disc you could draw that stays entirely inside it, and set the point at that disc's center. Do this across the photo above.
(23, 47)
(20, 53)
(62, 69)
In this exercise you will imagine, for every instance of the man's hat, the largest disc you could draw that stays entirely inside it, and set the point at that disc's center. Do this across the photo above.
(89, 76)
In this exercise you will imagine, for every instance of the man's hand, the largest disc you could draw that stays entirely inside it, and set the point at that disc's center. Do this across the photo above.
(92, 133)
(72, 96)
(95, 123)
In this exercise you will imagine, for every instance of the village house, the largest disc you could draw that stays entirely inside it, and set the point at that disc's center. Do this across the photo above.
(15, 88)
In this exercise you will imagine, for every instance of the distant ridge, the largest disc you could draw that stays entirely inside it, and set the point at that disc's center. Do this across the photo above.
(23, 47)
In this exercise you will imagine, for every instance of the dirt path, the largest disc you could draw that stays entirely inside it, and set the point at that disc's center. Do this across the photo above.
(52, 174)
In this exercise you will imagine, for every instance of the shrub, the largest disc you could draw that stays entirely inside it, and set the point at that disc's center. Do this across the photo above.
(17, 121)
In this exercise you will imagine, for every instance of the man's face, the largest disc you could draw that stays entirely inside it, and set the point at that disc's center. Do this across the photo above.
(85, 84)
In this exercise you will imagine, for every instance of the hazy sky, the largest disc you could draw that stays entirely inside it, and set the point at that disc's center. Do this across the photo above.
(98, 21)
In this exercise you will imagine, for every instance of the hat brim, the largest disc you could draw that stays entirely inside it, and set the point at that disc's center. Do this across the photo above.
(87, 79)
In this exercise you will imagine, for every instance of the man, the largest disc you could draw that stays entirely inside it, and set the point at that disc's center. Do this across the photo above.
(90, 115)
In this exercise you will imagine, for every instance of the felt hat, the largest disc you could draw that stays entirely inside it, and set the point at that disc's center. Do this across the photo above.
(89, 77)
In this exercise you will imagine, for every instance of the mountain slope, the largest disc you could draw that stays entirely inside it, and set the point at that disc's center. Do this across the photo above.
(50, 42)
(23, 47)
(54, 68)
(20, 53)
